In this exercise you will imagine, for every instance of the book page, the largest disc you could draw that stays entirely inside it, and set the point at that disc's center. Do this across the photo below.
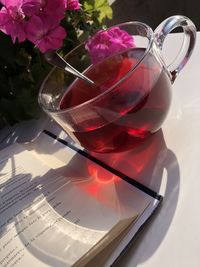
(47, 219)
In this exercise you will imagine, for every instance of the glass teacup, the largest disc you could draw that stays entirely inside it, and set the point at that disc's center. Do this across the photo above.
(132, 95)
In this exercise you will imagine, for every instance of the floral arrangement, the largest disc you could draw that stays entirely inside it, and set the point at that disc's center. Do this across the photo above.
(29, 28)
(36, 20)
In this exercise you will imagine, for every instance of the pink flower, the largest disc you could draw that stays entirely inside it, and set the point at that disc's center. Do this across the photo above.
(43, 27)
(52, 10)
(12, 19)
(107, 43)
(72, 4)
(43, 36)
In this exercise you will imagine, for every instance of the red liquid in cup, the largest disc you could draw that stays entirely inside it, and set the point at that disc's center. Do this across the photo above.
(140, 103)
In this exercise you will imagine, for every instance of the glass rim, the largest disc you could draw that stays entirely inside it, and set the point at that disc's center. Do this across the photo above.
(76, 107)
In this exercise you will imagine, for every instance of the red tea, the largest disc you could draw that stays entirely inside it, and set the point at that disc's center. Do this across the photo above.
(121, 117)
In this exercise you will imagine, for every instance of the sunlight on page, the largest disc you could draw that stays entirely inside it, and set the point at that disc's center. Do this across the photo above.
(45, 219)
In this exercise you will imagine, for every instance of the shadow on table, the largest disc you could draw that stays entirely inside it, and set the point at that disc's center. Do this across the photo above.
(153, 165)
(24, 132)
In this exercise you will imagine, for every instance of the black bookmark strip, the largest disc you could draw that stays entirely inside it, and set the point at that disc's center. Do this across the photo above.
(126, 178)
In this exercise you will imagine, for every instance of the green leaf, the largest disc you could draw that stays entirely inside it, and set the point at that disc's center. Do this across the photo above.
(88, 7)
(23, 58)
(100, 3)
(99, 9)
(105, 11)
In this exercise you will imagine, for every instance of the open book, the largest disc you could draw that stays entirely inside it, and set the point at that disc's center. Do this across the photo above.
(80, 214)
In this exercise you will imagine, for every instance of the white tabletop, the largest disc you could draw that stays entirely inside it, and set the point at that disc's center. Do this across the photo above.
(169, 163)
(172, 238)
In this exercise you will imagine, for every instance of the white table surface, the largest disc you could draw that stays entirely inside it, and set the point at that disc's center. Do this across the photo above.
(169, 163)
(172, 238)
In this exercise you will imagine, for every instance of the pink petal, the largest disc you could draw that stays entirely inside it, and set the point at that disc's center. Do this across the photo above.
(31, 7)
(11, 27)
(114, 39)
(14, 3)
(34, 29)
(4, 19)
(16, 31)
(53, 40)
(73, 5)
(55, 9)
(43, 36)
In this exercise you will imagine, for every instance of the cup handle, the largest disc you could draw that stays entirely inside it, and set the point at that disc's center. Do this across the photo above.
(189, 30)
